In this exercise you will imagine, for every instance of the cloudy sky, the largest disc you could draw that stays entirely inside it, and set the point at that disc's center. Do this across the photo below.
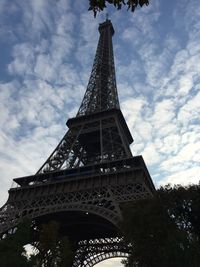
(47, 49)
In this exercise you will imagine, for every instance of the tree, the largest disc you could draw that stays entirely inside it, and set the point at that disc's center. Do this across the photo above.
(99, 5)
(52, 249)
(12, 251)
(183, 204)
(164, 230)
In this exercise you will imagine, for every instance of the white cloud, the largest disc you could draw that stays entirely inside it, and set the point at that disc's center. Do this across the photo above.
(183, 177)
(145, 130)
(185, 84)
(23, 59)
(163, 113)
(150, 154)
(189, 112)
(132, 110)
(169, 144)
(187, 154)
(158, 66)
(44, 68)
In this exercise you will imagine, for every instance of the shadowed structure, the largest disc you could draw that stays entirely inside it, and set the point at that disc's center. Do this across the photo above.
(90, 175)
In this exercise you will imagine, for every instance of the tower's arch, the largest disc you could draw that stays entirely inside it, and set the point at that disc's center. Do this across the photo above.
(101, 257)
(92, 252)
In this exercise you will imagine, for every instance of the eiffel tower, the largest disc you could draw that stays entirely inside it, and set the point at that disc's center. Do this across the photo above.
(90, 175)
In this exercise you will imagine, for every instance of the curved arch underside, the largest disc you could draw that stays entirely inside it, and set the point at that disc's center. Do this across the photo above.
(110, 214)
(104, 256)
(92, 252)
(80, 225)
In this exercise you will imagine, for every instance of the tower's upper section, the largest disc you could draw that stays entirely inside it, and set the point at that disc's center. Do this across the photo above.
(101, 93)
(96, 148)
(99, 132)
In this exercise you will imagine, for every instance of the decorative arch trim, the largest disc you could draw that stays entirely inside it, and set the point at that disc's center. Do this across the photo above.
(104, 256)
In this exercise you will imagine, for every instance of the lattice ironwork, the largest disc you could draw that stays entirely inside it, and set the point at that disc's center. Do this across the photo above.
(100, 193)
(91, 252)
(97, 133)
(99, 138)
(90, 175)
(101, 93)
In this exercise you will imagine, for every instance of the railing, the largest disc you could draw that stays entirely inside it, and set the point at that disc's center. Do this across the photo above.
(81, 172)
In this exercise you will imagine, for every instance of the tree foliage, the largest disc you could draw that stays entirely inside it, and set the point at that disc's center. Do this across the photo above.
(51, 248)
(99, 5)
(164, 230)
(12, 251)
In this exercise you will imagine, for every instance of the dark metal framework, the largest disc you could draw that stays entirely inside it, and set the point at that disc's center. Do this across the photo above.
(91, 252)
(101, 93)
(90, 175)
(91, 139)
(100, 189)
(97, 132)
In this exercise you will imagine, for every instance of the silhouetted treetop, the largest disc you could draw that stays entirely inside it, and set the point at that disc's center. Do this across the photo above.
(99, 5)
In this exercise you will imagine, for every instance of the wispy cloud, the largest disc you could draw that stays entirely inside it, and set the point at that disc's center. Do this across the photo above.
(50, 48)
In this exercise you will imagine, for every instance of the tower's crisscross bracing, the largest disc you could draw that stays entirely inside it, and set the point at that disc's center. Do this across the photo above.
(90, 175)
(91, 252)
(101, 93)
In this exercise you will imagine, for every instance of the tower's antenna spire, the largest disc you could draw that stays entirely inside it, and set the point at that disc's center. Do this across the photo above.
(107, 16)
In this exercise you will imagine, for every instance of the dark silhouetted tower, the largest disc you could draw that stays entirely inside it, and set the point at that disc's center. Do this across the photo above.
(91, 173)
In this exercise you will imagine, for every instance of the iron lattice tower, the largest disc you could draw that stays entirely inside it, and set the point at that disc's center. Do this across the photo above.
(91, 173)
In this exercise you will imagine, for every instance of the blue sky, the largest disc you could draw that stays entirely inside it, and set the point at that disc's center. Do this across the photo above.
(47, 49)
